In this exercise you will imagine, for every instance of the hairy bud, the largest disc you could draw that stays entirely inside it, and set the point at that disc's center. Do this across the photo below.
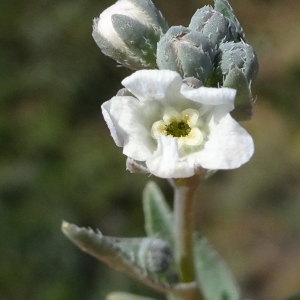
(128, 32)
(187, 52)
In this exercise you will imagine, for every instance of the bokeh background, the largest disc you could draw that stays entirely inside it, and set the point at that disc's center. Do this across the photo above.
(58, 160)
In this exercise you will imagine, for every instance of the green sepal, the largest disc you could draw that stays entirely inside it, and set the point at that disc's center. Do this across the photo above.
(293, 297)
(158, 215)
(214, 278)
(213, 25)
(118, 54)
(125, 296)
(140, 39)
(226, 10)
(156, 17)
(240, 55)
(196, 55)
(243, 104)
(132, 256)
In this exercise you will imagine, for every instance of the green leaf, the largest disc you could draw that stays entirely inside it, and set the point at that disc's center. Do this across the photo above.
(132, 256)
(125, 296)
(226, 10)
(294, 297)
(158, 216)
(142, 258)
(243, 101)
(213, 276)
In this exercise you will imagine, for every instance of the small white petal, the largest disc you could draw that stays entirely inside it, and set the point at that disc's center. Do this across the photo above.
(180, 142)
(171, 115)
(149, 85)
(194, 138)
(190, 116)
(228, 147)
(164, 162)
(128, 130)
(210, 96)
(112, 123)
(157, 129)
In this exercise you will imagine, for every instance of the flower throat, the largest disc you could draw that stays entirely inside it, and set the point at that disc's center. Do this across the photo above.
(178, 129)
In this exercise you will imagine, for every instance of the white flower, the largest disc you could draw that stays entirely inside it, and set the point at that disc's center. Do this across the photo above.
(174, 128)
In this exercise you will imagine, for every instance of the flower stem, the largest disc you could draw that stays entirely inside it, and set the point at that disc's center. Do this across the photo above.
(185, 189)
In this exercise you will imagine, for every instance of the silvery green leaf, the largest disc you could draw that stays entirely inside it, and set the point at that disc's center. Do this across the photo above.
(125, 296)
(158, 216)
(243, 104)
(213, 276)
(213, 25)
(123, 254)
(126, 255)
(226, 10)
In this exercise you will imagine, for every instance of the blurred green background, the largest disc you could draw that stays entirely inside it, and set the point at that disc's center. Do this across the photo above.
(59, 162)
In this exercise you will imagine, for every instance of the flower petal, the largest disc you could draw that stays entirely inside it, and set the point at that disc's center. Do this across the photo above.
(149, 85)
(126, 119)
(112, 124)
(228, 147)
(165, 161)
(210, 96)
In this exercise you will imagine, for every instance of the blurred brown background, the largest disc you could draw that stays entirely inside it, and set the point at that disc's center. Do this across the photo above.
(59, 162)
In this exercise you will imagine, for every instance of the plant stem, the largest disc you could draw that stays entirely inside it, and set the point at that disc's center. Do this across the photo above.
(185, 189)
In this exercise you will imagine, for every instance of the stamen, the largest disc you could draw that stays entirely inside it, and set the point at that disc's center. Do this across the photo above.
(178, 129)
(183, 126)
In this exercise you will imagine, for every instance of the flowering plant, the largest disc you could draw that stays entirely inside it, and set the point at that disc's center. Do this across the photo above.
(176, 118)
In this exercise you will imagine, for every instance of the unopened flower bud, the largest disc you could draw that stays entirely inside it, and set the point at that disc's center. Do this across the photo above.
(128, 32)
(187, 52)
(226, 10)
(213, 25)
(240, 55)
(155, 255)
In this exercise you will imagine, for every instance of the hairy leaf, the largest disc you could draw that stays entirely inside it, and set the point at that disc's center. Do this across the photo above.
(158, 216)
(213, 276)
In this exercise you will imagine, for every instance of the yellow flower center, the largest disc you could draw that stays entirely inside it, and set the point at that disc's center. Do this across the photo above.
(178, 129)
(184, 126)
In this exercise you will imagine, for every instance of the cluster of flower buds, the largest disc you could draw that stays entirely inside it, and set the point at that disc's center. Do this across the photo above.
(212, 49)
